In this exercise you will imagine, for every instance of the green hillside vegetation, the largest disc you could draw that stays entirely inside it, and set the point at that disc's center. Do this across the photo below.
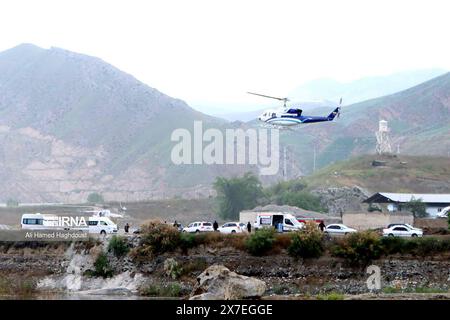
(418, 174)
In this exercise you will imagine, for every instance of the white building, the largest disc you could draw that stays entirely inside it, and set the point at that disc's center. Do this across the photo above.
(434, 202)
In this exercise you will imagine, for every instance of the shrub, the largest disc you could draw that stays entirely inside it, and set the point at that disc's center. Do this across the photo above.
(157, 238)
(194, 266)
(102, 267)
(260, 242)
(118, 246)
(12, 203)
(169, 290)
(428, 246)
(187, 241)
(393, 245)
(421, 246)
(283, 240)
(18, 287)
(331, 296)
(172, 268)
(95, 198)
(359, 248)
(307, 243)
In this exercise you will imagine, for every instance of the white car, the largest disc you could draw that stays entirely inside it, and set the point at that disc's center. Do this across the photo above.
(402, 231)
(338, 229)
(196, 227)
(232, 227)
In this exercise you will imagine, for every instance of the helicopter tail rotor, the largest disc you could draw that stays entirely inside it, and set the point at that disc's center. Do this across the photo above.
(340, 106)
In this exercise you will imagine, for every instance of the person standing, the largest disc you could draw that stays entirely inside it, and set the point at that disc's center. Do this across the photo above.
(322, 226)
(215, 225)
(127, 228)
(249, 227)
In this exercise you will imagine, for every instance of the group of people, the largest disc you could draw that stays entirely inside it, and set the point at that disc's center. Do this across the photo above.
(321, 226)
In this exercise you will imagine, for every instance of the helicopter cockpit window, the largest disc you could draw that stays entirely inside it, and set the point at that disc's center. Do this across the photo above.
(273, 115)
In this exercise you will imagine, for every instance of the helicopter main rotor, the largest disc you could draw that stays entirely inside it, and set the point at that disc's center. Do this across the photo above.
(270, 97)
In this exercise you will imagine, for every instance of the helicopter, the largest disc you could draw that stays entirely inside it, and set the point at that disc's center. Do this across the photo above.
(288, 117)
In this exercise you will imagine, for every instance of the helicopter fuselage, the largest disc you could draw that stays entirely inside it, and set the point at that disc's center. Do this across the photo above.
(292, 117)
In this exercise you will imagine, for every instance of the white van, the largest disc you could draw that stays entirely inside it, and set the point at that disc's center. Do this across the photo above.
(37, 221)
(274, 219)
(95, 225)
(101, 225)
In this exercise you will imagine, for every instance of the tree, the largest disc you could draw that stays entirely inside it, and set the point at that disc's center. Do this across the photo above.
(417, 207)
(293, 193)
(237, 194)
(12, 203)
(95, 198)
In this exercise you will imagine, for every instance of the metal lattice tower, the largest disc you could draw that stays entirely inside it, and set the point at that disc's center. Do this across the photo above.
(383, 140)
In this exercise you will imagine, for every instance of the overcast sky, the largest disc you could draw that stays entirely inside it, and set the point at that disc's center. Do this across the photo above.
(212, 52)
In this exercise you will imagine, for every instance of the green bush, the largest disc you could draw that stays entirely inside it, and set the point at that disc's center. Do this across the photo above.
(169, 290)
(12, 203)
(172, 268)
(393, 245)
(428, 246)
(187, 241)
(307, 243)
(419, 246)
(118, 246)
(359, 248)
(157, 238)
(95, 198)
(260, 242)
(102, 267)
(331, 296)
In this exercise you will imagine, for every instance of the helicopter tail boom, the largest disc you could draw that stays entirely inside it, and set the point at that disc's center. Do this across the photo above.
(333, 115)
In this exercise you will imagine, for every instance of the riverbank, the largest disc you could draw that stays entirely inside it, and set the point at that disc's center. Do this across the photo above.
(68, 271)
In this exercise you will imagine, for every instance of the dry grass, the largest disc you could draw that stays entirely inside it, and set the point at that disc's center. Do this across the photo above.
(21, 286)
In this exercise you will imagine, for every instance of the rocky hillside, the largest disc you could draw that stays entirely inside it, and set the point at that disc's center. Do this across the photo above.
(71, 124)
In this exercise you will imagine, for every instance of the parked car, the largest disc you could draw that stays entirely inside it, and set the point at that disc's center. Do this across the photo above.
(232, 227)
(201, 226)
(402, 231)
(402, 224)
(338, 229)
